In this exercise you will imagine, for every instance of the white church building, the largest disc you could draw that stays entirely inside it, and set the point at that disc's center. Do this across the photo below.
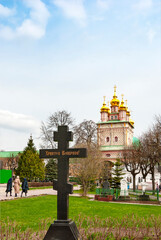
(115, 132)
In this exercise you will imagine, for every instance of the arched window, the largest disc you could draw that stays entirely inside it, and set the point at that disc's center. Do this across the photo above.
(115, 116)
(107, 139)
(108, 155)
(111, 117)
(139, 179)
(130, 180)
(116, 139)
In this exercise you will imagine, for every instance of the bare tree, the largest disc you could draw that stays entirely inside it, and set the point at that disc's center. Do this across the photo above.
(154, 138)
(56, 119)
(144, 156)
(46, 137)
(152, 157)
(60, 118)
(86, 133)
(88, 169)
(156, 133)
(131, 157)
(151, 150)
(13, 162)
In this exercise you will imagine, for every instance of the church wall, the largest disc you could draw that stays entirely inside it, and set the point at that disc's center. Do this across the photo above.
(111, 155)
(114, 134)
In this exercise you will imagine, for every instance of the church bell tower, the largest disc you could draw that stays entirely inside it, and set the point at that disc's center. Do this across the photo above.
(115, 130)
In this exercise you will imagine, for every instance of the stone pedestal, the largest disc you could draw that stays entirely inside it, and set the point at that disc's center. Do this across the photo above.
(124, 193)
(63, 230)
(144, 197)
(123, 198)
(144, 185)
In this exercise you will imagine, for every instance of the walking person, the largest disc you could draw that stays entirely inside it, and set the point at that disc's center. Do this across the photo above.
(160, 187)
(24, 187)
(9, 187)
(17, 186)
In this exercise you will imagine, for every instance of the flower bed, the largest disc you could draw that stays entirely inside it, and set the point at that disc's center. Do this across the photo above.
(40, 184)
(104, 198)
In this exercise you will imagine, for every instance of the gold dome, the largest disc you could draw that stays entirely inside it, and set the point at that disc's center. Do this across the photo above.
(104, 108)
(131, 121)
(108, 106)
(122, 106)
(115, 101)
(127, 110)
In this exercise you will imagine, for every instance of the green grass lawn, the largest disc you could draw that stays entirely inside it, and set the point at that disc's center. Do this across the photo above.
(28, 212)
(81, 191)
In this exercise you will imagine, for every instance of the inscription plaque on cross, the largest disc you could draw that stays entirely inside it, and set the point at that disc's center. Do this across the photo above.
(62, 153)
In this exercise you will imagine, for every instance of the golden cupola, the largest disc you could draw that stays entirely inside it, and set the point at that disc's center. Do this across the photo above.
(104, 108)
(108, 106)
(122, 107)
(115, 102)
(127, 111)
(131, 121)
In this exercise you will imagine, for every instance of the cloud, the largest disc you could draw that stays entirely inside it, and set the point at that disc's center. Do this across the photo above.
(103, 4)
(5, 11)
(18, 122)
(6, 32)
(72, 9)
(143, 4)
(32, 27)
(36, 24)
(151, 34)
(39, 12)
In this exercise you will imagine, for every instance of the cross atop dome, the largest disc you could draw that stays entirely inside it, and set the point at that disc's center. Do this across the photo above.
(115, 90)
(115, 101)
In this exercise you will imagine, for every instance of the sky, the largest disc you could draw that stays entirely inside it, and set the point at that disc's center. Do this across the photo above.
(68, 54)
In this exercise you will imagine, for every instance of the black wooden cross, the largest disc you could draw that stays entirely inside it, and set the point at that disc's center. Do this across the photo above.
(63, 153)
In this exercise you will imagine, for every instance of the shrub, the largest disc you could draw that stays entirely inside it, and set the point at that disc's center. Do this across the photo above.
(39, 184)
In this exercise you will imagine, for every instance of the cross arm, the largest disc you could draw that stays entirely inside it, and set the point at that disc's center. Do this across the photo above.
(68, 187)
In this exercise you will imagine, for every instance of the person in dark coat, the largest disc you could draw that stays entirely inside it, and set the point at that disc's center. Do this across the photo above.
(160, 187)
(9, 187)
(24, 187)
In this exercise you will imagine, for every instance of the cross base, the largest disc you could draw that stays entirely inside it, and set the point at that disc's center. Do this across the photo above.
(63, 230)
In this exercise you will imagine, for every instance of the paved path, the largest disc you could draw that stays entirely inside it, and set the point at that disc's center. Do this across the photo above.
(36, 192)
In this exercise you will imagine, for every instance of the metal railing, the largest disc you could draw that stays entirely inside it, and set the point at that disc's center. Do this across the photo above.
(124, 194)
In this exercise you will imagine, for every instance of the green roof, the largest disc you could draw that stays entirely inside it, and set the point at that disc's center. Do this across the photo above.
(114, 113)
(112, 148)
(135, 141)
(7, 154)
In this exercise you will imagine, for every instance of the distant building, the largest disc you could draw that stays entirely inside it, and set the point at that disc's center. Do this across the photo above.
(9, 159)
(115, 132)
